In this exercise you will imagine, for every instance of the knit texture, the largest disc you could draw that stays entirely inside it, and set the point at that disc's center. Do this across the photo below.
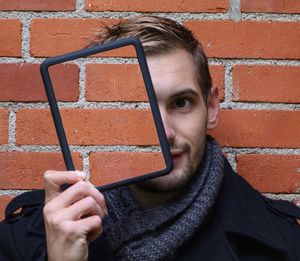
(133, 233)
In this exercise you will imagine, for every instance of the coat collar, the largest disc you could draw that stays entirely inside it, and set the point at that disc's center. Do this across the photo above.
(242, 210)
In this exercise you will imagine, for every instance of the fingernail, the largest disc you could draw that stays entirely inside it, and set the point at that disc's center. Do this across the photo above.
(80, 174)
(105, 212)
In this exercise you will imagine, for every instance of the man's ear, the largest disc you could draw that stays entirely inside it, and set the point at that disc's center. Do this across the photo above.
(213, 108)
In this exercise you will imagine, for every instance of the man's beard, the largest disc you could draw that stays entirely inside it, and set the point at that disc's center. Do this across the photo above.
(177, 180)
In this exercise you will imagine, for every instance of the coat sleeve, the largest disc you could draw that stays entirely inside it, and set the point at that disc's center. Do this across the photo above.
(8, 250)
(22, 234)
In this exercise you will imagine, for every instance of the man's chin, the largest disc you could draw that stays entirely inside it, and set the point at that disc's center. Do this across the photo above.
(175, 181)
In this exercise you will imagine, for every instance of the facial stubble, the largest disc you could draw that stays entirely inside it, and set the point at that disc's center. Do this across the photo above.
(177, 180)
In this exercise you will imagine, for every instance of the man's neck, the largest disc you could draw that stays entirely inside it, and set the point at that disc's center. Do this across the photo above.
(151, 199)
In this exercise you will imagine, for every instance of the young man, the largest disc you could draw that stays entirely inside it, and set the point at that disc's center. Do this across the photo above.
(202, 210)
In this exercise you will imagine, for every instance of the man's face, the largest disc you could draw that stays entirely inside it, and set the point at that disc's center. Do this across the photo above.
(184, 114)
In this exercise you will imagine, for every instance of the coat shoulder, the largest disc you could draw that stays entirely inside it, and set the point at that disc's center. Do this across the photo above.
(248, 216)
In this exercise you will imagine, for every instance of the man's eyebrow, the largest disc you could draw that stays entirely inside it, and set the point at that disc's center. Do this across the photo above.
(187, 91)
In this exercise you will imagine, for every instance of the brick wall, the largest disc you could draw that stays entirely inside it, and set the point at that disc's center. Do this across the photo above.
(254, 54)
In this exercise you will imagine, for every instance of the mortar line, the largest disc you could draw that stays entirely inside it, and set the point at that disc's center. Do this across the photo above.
(121, 60)
(227, 104)
(82, 83)
(12, 127)
(231, 157)
(133, 148)
(80, 6)
(86, 163)
(228, 82)
(233, 13)
(234, 10)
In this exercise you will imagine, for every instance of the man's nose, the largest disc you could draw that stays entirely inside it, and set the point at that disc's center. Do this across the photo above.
(169, 128)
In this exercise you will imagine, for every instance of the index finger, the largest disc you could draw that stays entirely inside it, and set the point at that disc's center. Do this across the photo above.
(75, 193)
(53, 180)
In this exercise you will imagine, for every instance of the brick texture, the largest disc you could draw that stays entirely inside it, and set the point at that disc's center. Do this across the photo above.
(10, 38)
(114, 82)
(271, 6)
(271, 173)
(24, 170)
(217, 74)
(41, 5)
(264, 128)
(50, 37)
(109, 167)
(248, 39)
(266, 83)
(212, 6)
(23, 82)
(88, 127)
(3, 126)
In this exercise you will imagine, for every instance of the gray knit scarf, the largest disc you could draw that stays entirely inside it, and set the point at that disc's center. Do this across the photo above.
(133, 233)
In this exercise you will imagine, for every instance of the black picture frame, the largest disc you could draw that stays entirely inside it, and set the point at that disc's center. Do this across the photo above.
(44, 69)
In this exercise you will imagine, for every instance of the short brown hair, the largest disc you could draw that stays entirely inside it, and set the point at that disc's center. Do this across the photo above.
(159, 35)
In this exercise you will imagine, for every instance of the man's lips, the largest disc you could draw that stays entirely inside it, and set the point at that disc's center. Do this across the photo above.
(176, 153)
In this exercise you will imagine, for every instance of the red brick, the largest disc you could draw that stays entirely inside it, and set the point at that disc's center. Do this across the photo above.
(23, 82)
(3, 202)
(41, 5)
(212, 6)
(50, 37)
(3, 126)
(24, 170)
(114, 82)
(217, 74)
(88, 127)
(109, 167)
(259, 128)
(248, 39)
(266, 83)
(271, 173)
(271, 6)
(10, 38)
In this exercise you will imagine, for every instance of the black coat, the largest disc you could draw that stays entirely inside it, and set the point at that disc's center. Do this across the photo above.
(243, 226)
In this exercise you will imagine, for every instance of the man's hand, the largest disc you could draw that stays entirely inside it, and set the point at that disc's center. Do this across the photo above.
(72, 217)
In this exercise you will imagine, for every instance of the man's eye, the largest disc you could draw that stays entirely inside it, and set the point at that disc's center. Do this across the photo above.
(181, 103)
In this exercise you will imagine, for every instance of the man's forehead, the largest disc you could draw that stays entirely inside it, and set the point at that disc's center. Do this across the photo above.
(173, 73)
